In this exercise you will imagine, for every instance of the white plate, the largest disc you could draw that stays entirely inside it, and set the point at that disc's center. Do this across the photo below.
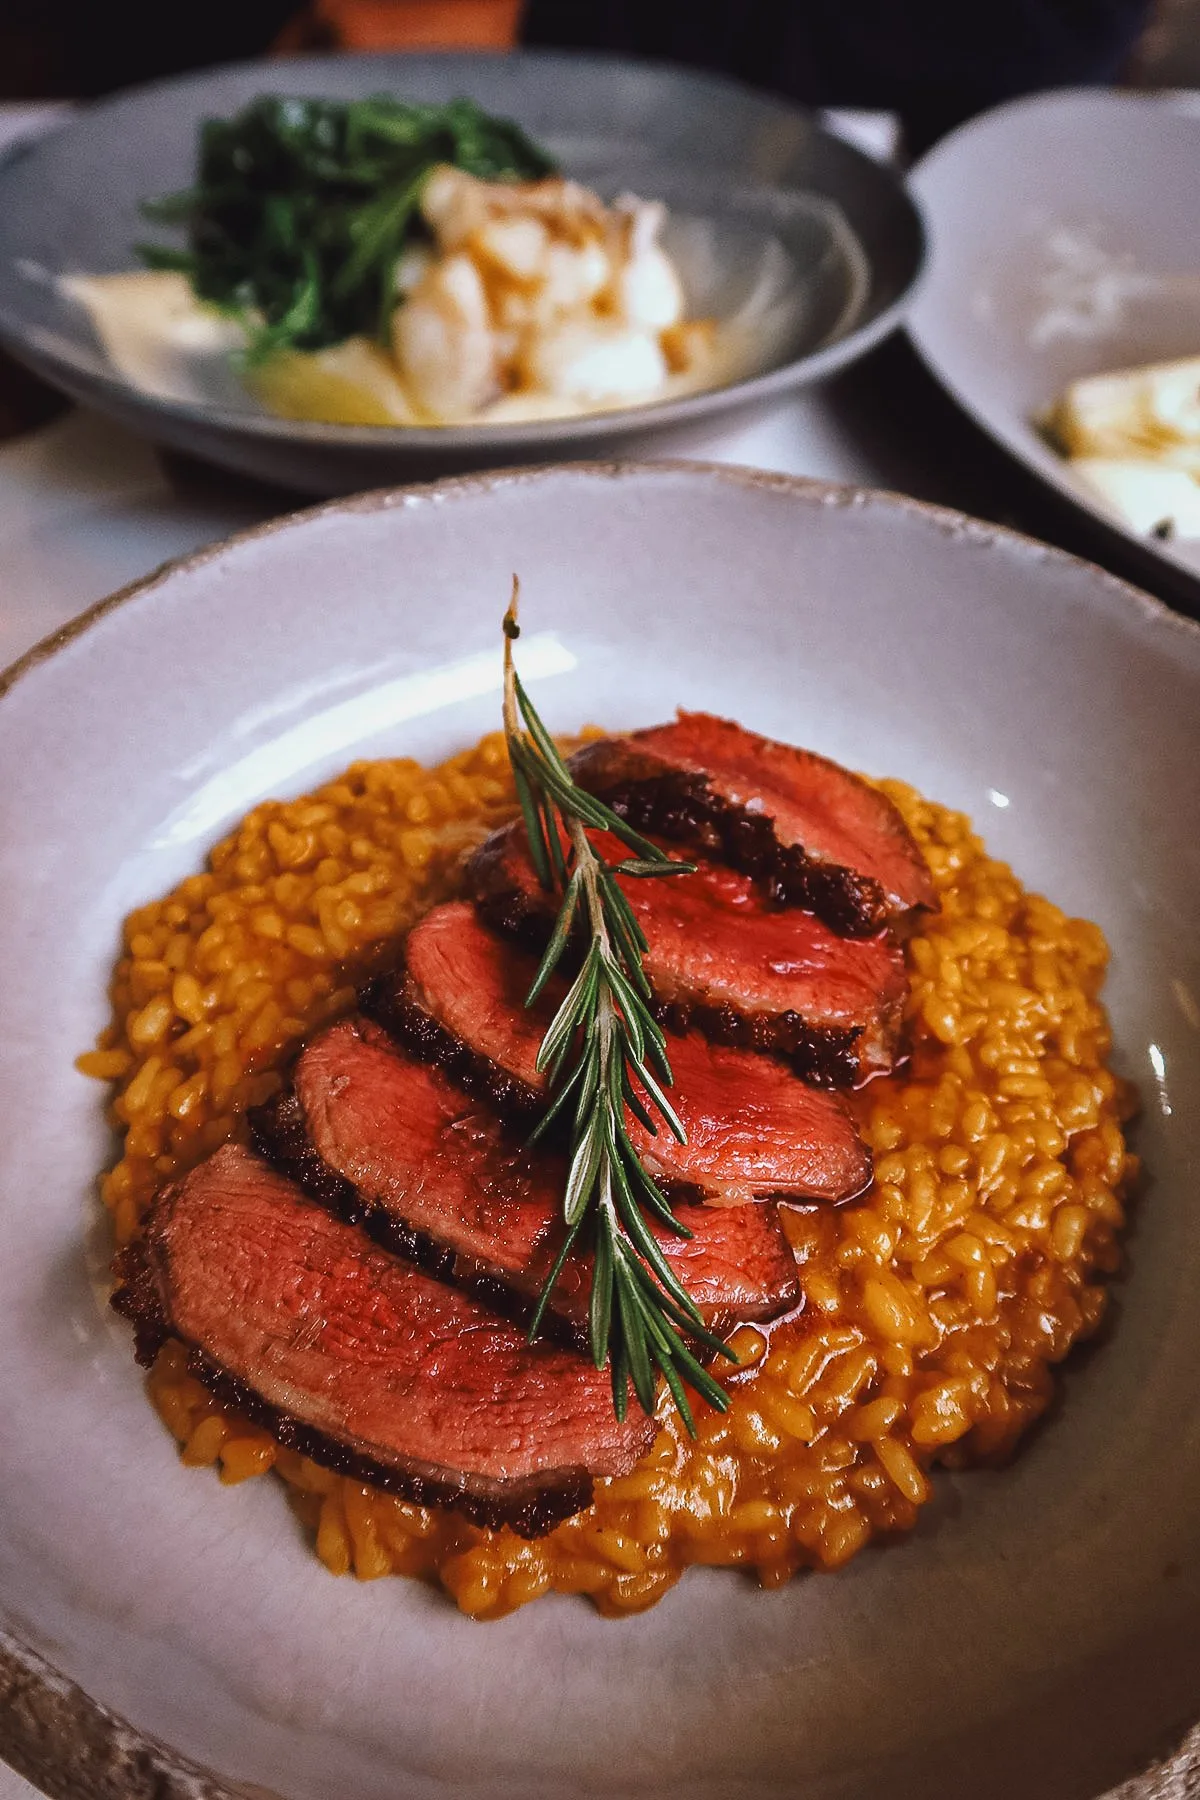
(1039, 1635)
(1064, 241)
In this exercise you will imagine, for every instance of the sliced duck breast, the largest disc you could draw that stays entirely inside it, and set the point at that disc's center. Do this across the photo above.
(363, 1362)
(395, 1145)
(721, 958)
(753, 1131)
(814, 834)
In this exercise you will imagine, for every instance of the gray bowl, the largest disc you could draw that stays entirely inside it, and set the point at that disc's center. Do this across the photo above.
(752, 165)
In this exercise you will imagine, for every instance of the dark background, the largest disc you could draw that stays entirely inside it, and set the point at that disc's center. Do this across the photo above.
(933, 61)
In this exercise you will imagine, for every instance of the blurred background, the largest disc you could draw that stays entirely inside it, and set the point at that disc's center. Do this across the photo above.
(900, 73)
(934, 62)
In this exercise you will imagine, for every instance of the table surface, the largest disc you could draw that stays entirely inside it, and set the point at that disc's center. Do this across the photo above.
(86, 507)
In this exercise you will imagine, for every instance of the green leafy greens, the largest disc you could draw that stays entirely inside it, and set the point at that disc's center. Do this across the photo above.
(301, 208)
(606, 1056)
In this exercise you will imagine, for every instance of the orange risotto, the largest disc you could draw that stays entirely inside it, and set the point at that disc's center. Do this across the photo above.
(934, 1308)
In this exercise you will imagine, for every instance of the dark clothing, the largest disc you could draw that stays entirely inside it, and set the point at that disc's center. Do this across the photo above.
(934, 61)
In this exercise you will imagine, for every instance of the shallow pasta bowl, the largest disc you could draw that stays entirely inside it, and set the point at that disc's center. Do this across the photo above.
(1040, 1633)
(754, 182)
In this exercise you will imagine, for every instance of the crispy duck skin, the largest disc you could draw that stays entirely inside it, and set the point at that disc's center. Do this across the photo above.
(813, 834)
(721, 958)
(394, 1145)
(753, 1131)
(363, 1362)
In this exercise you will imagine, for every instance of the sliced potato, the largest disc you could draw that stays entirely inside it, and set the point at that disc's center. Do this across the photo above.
(353, 383)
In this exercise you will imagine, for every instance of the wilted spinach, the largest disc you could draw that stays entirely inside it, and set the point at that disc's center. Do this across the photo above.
(301, 208)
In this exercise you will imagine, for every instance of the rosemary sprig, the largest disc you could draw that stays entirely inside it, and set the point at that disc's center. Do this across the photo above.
(605, 1055)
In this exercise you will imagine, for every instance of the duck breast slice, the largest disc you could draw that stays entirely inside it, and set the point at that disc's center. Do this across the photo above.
(720, 957)
(363, 1362)
(396, 1146)
(753, 1131)
(814, 834)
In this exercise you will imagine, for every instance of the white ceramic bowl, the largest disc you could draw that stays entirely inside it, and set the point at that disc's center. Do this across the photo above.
(1039, 1635)
(1063, 243)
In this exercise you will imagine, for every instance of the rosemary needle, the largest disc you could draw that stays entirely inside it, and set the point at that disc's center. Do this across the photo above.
(606, 1058)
